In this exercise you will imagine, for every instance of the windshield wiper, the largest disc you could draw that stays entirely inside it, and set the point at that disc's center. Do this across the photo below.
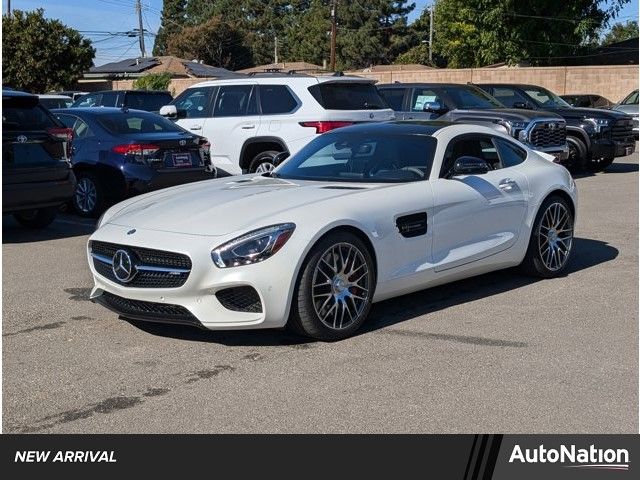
(367, 106)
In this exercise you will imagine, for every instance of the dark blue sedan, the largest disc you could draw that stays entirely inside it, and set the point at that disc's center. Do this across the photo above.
(118, 153)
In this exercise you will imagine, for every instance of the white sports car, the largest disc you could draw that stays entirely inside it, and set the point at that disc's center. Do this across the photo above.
(359, 215)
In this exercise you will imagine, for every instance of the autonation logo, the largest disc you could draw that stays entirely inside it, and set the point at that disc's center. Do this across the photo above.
(592, 457)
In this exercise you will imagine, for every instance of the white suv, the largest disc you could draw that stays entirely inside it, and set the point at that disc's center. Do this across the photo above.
(250, 119)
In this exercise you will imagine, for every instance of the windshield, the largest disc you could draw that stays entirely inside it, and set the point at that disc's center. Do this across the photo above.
(139, 122)
(631, 99)
(545, 98)
(362, 157)
(471, 98)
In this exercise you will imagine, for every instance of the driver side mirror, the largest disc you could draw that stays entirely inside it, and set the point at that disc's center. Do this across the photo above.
(468, 165)
(524, 105)
(171, 111)
(434, 107)
(279, 158)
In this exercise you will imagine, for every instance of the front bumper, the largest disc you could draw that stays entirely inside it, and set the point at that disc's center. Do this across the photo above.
(196, 302)
(604, 148)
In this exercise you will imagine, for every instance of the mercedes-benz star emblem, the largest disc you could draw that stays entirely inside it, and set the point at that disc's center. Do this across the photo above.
(22, 139)
(123, 267)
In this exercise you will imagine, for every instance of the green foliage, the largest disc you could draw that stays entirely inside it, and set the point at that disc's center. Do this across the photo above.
(171, 22)
(153, 81)
(473, 33)
(621, 31)
(415, 55)
(40, 55)
(215, 42)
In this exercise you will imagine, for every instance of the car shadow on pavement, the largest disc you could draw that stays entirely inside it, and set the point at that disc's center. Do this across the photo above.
(622, 168)
(587, 253)
(64, 226)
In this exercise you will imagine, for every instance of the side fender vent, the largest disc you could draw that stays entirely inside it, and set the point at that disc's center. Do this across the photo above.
(412, 225)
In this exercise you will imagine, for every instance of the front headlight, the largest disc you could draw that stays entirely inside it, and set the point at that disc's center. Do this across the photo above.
(598, 123)
(513, 127)
(253, 247)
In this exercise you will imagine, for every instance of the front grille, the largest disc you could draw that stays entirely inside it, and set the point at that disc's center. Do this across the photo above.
(545, 135)
(622, 130)
(140, 310)
(240, 299)
(155, 277)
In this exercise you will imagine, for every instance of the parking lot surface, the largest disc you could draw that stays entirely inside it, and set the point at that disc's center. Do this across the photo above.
(501, 352)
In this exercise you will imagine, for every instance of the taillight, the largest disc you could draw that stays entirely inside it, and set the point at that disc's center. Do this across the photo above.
(65, 134)
(141, 149)
(323, 127)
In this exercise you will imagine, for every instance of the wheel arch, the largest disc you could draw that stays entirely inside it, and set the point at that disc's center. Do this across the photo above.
(105, 172)
(253, 146)
(580, 134)
(565, 196)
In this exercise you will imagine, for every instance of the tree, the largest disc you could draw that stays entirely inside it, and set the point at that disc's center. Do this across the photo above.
(215, 42)
(153, 81)
(473, 33)
(171, 22)
(40, 55)
(621, 31)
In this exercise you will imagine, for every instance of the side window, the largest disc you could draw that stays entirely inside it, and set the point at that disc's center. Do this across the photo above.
(421, 96)
(232, 101)
(510, 154)
(394, 97)
(276, 99)
(508, 96)
(79, 126)
(109, 99)
(471, 146)
(89, 100)
(196, 102)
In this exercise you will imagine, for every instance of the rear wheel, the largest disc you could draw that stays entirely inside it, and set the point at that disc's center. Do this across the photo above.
(333, 296)
(89, 195)
(40, 218)
(551, 239)
(263, 162)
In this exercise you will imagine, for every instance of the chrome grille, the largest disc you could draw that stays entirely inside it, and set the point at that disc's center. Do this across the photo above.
(622, 130)
(154, 268)
(548, 134)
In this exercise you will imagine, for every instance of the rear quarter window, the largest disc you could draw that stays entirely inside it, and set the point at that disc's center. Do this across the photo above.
(348, 96)
(394, 97)
(276, 99)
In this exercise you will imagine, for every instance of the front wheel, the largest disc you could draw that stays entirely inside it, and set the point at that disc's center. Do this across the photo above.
(551, 239)
(40, 218)
(333, 296)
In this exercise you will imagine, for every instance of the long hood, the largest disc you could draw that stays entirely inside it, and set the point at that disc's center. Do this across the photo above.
(512, 114)
(222, 206)
(578, 112)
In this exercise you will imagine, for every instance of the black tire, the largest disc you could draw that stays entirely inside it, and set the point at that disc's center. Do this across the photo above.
(40, 218)
(81, 205)
(263, 159)
(537, 259)
(305, 319)
(578, 156)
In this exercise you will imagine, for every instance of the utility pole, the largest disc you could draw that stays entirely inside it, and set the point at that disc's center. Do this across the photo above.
(140, 28)
(332, 61)
(8, 8)
(431, 14)
(275, 51)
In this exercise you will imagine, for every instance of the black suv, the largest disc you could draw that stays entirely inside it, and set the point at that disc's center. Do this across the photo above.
(36, 174)
(540, 131)
(149, 100)
(595, 136)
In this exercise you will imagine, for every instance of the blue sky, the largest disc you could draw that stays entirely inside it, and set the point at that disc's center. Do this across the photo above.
(120, 16)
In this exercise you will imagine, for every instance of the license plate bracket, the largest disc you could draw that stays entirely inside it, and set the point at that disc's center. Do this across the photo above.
(181, 159)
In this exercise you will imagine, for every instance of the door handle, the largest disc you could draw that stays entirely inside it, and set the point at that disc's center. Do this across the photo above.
(248, 127)
(507, 184)
(196, 127)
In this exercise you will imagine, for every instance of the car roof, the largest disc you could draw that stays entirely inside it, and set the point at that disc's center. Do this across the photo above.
(52, 95)
(15, 93)
(517, 85)
(400, 127)
(132, 91)
(283, 79)
(423, 84)
(96, 110)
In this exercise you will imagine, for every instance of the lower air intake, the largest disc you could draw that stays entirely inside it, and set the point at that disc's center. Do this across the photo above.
(240, 299)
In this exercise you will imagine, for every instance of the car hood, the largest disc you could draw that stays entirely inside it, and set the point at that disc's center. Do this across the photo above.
(628, 109)
(512, 114)
(222, 206)
(579, 112)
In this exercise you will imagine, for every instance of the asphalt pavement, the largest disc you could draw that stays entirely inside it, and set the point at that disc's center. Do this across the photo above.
(497, 353)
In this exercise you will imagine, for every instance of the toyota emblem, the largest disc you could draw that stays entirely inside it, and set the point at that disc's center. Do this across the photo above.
(183, 143)
(22, 139)
(123, 267)
(553, 126)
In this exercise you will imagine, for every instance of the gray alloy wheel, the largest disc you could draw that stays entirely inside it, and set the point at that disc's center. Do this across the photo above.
(263, 162)
(88, 197)
(340, 286)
